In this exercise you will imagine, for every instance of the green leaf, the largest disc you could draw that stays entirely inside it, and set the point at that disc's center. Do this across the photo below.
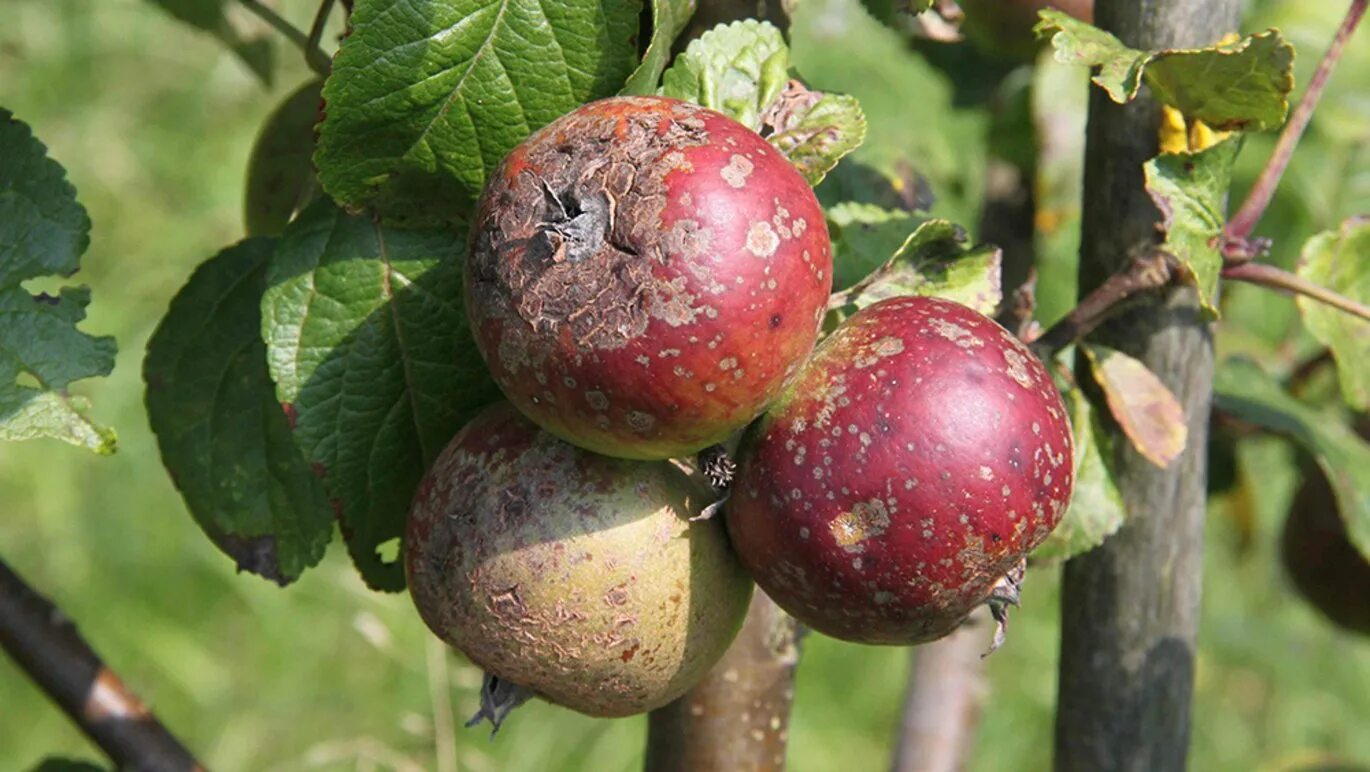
(1191, 189)
(1340, 261)
(280, 171)
(208, 16)
(1148, 413)
(425, 99)
(812, 129)
(933, 261)
(1096, 505)
(865, 237)
(43, 231)
(737, 69)
(921, 149)
(1080, 43)
(223, 436)
(1243, 390)
(1244, 84)
(368, 345)
(741, 70)
(669, 17)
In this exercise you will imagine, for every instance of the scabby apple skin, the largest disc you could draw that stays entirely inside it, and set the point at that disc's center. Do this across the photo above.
(917, 458)
(644, 274)
(579, 577)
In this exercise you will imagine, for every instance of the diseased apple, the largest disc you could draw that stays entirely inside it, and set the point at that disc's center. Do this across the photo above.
(644, 274)
(579, 577)
(904, 474)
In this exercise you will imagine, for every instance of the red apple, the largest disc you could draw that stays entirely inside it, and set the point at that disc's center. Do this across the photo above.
(912, 464)
(644, 274)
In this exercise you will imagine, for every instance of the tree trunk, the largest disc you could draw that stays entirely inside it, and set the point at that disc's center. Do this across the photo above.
(737, 719)
(942, 705)
(1130, 608)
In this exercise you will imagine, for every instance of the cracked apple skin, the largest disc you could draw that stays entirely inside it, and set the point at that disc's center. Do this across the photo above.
(574, 575)
(918, 457)
(644, 274)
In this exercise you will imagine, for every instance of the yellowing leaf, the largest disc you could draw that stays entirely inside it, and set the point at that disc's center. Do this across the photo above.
(1148, 413)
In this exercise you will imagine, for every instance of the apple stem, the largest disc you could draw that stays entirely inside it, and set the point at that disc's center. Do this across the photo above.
(316, 34)
(314, 56)
(1267, 275)
(1236, 245)
(1151, 271)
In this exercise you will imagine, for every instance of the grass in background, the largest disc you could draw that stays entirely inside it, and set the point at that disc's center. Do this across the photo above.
(153, 123)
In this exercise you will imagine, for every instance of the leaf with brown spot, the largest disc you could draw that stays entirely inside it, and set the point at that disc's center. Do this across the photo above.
(1148, 413)
(224, 438)
(1238, 84)
(814, 130)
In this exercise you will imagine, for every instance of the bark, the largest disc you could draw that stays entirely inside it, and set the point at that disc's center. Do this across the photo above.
(47, 646)
(737, 719)
(942, 706)
(1130, 608)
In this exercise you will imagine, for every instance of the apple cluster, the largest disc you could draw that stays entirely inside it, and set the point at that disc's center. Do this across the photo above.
(647, 280)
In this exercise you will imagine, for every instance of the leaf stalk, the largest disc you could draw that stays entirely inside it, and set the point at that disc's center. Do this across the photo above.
(314, 56)
(1274, 277)
(1150, 271)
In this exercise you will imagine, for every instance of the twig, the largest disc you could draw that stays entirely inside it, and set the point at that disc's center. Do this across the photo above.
(1244, 221)
(942, 705)
(1151, 271)
(314, 56)
(48, 647)
(1278, 278)
(316, 29)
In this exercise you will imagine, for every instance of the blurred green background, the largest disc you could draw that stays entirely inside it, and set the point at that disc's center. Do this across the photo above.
(153, 122)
